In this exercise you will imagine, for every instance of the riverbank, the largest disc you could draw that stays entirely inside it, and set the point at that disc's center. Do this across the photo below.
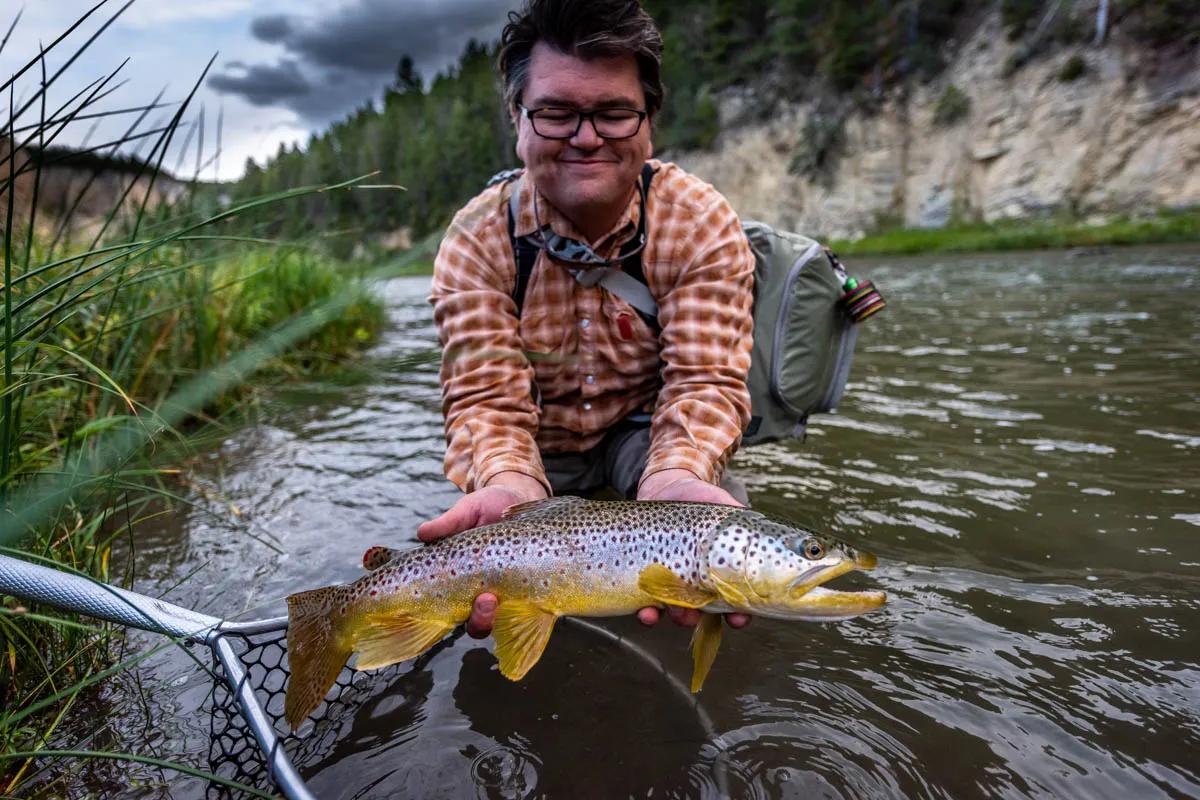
(1165, 228)
(117, 361)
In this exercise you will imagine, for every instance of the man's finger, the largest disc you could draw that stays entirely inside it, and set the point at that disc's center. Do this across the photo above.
(648, 615)
(737, 620)
(458, 518)
(687, 617)
(483, 615)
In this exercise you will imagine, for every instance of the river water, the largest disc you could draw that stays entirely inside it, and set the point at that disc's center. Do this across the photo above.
(1018, 446)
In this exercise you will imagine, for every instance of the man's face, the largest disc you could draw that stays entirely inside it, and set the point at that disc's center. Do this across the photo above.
(586, 177)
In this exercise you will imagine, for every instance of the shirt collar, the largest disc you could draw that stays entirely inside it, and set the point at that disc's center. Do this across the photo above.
(625, 227)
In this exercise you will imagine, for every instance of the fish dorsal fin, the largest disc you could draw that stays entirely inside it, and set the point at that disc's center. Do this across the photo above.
(730, 593)
(537, 509)
(377, 556)
(521, 630)
(389, 638)
(666, 587)
(706, 640)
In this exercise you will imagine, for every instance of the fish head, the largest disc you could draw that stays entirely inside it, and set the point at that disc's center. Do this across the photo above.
(775, 568)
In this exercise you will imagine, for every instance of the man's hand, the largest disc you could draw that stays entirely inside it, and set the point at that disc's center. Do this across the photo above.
(483, 507)
(680, 484)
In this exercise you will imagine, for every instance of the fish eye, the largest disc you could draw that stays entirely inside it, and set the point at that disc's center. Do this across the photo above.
(812, 549)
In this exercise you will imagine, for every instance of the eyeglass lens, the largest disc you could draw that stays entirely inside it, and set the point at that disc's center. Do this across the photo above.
(563, 123)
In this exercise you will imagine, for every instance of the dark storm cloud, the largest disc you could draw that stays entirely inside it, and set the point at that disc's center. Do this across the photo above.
(271, 29)
(348, 55)
(262, 84)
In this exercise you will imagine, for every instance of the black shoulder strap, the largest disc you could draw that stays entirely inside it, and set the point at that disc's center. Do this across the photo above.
(525, 252)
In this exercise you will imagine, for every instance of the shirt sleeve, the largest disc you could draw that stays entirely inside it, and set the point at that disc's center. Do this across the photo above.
(490, 415)
(707, 333)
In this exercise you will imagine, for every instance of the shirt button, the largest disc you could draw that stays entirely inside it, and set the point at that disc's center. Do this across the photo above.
(583, 323)
(587, 406)
(590, 379)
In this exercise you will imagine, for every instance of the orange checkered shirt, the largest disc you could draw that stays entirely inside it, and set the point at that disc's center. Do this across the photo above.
(592, 358)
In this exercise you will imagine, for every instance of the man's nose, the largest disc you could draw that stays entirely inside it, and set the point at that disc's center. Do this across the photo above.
(587, 137)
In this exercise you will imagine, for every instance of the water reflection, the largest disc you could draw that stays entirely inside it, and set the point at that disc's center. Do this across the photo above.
(1017, 445)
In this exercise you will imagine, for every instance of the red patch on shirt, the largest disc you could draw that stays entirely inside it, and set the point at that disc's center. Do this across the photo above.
(625, 326)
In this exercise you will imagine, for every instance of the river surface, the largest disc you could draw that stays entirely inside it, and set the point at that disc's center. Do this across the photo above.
(1020, 446)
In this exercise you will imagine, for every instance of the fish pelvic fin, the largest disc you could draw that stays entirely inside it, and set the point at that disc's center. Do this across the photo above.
(391, 637)
(377, 556)
(521, 630)
(318, 645)
(666, 587)
(706, 640)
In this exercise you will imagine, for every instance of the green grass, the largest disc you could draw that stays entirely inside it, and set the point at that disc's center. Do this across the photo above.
(122, 341)
(1166, 227)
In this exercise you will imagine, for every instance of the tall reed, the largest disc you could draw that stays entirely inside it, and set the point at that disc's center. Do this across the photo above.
(123, 334)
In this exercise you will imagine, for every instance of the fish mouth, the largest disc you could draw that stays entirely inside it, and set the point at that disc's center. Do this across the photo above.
(859, 559)
(829, 604)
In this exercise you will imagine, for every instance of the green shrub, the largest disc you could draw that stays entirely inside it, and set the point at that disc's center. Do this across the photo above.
(820, 147)
(951, 107)
(1072, 69)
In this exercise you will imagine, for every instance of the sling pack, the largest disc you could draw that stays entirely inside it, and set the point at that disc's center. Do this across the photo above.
(806, 311)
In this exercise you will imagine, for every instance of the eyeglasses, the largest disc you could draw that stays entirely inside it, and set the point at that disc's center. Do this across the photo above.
(551, 122)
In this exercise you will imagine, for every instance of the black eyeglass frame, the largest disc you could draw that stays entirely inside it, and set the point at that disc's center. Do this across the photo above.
(590, 116)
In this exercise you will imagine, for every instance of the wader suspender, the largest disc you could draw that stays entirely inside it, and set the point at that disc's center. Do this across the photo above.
(628, 283)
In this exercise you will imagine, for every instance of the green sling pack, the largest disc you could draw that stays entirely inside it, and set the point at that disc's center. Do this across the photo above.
(806, 313)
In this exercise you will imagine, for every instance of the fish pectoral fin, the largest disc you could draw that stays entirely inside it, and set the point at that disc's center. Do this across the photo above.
(730, 594)
(535, 509)
(388, 638)
(521, 630)
(377, 556)
(666, 587)
(706, 640)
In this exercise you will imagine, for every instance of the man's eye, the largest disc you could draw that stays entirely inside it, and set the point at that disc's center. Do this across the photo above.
(556, 114)
(616, 115)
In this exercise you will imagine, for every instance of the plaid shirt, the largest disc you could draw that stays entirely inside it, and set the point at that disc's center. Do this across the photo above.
(592, 359)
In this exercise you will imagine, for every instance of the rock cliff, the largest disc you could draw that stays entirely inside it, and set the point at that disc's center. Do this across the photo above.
(1120, 137)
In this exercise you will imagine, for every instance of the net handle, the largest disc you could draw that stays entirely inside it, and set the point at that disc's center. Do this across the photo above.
(63, 590)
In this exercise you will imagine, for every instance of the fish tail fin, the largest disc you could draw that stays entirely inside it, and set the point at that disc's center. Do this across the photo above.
(319, 644)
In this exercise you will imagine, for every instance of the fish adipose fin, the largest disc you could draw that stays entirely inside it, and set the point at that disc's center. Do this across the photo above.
(666, 587)
(388, 638)
(521, 630)
(537, 509)
(706, 640)
(318, 645)
(377, 556)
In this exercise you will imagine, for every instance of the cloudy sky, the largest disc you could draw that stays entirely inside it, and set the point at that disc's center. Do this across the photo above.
(283, 69)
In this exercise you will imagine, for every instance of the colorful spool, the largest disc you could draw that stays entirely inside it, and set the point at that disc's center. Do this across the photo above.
(862, 300)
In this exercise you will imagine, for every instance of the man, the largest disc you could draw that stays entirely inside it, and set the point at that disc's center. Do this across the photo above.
(582, 85)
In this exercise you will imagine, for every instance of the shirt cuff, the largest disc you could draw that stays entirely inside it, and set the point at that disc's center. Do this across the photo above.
(503, 462)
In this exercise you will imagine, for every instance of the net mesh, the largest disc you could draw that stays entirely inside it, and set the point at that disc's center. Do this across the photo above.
(234, 752)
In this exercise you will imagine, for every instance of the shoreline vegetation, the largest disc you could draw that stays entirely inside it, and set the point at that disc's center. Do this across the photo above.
(129, 335)
(1167, 227)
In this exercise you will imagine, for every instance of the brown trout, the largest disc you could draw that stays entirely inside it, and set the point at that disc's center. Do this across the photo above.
(561, 557)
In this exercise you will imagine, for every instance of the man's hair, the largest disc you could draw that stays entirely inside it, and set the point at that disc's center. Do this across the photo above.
(585, 29)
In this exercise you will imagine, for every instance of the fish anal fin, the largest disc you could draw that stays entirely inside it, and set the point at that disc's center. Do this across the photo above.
(666, 587)
(377, 556)
(535, 509)
(731, 594)
(706, 640)
(388, 638)
(521, 630)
